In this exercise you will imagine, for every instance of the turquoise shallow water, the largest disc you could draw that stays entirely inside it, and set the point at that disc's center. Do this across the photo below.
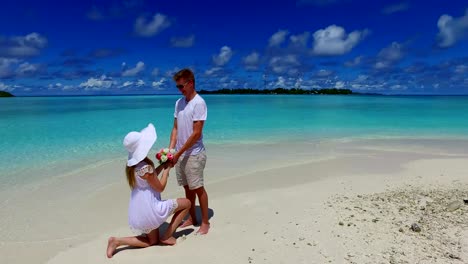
(44, 132)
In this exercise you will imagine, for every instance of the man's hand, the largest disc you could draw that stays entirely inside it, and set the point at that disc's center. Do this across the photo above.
(175, 158)
(167, 164)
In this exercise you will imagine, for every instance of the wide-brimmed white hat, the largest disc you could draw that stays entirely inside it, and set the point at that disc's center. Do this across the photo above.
(138, 144)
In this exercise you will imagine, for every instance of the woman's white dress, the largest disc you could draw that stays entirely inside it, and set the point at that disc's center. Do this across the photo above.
(146, 210)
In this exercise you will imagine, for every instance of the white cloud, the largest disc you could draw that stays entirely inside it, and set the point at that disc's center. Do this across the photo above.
(6, 88)
(60, 86)
(281, 82)
(381, 65)
(298, 83)
(67, 88)
(97, 83)
(33, 40)
(183, 42)
(140, 83)
(461, 69)
(392, 53)
(283, 64)
(170, 73)
(6, 66)
(398, 87)
(127, 83)
(251, 61)
(362, 78)
(213, 71)
(368, 87)
(293, 72)
(389, 56)
(13, 67)
(333, 40)
(27, 69)
(324, 73)
(150, 28)
(230, 84)
(299, 41)
(159, 84)
(223, 57)
(22, 46)
(395, 8)
(366, 83)
(355, 62)
(339, 84)
(140, 66)
(452, 29)
(278, 38)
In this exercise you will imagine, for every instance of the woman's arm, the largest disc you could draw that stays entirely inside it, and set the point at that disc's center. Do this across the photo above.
(152, 178)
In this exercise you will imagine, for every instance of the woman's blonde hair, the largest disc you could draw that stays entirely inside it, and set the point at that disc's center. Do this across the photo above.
(130, 172)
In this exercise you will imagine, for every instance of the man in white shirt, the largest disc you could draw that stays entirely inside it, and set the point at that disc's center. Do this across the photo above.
(187, 138)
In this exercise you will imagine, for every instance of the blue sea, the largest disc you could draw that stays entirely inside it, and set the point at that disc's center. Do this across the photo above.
(58, 133)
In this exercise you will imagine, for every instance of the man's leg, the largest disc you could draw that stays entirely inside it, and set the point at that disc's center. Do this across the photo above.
(191, 196)
(203, 199)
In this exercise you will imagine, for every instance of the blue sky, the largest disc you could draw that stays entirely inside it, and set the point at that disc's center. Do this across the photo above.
(134, 46)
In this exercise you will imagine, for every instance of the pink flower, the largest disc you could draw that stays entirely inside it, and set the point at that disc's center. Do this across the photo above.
(165, 154)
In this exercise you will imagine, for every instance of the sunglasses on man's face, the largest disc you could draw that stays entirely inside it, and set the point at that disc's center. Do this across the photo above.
(181, 86)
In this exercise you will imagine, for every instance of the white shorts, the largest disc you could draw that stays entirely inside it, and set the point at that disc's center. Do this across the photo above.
(189, 170)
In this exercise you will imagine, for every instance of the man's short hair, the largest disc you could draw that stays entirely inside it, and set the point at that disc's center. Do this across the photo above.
(186, 74)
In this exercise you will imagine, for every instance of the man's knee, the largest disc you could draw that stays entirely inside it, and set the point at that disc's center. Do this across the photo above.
(189, 193)
(200, 190)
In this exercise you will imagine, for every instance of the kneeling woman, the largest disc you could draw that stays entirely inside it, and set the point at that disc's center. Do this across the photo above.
(147, 211)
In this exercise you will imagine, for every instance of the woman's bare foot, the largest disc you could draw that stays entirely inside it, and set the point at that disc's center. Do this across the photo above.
(186, 223)
(112, 244)
(203, 230)
(170, 241)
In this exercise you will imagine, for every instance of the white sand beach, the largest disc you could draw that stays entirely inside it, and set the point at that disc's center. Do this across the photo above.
(360, 201)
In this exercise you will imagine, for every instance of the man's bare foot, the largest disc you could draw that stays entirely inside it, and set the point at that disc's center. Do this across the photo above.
(203, 230)
(170, 241)
(186, 223)
(112, 244)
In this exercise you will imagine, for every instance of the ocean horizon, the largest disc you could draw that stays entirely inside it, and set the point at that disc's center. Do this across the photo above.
(50, 135)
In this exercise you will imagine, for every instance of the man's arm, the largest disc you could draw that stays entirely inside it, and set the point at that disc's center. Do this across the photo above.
(173, 135)
(196, 134)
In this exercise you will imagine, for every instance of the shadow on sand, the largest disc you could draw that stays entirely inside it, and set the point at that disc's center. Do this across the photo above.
(178, 233)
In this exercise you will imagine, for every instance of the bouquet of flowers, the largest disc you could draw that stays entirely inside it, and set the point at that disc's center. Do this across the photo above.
(165, 154)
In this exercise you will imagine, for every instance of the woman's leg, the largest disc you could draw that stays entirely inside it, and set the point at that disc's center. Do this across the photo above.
(180, 212)
(135, 241)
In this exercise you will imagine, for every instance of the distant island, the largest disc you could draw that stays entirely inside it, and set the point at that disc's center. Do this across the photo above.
(5, 94)
(278, 91)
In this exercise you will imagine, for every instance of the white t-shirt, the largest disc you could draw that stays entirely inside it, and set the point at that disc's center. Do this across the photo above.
(186, 113)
